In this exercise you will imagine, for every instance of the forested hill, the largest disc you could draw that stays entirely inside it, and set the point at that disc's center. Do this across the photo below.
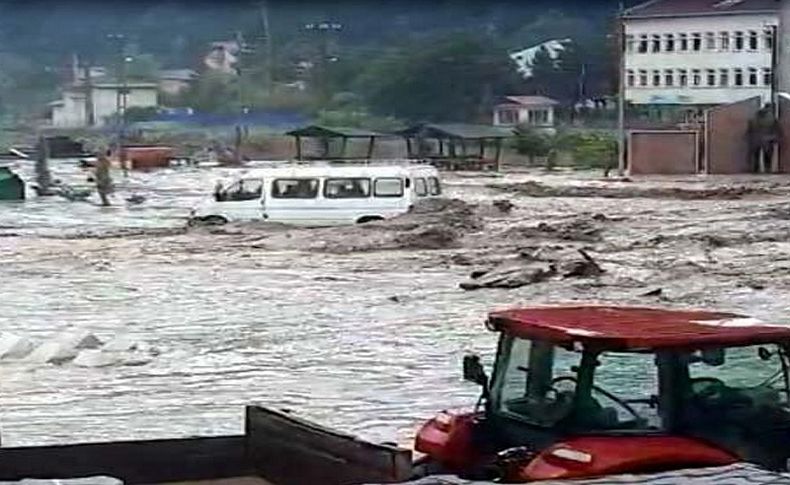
(37, 38)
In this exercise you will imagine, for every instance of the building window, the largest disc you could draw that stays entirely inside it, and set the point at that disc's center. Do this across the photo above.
(656, 78)
(629, 43)
(724, 77)
(538, 117)
(710, 74)
(724, 41)
(696, 77)
(683, 78)
(710, 41)
(753, 40)
(768, 78)
(670, 43)
(684, 42)
(669, 78)
(769, 39)
(630, 78)
(656, 44)
(738, 41)
(752, 76)
(696, 42)
(642, 78)
(642, 44)
(508, 117)
(738, 77)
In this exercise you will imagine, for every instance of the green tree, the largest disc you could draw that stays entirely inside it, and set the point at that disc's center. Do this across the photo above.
(532, 144)
(214, 92)
(444, 79)
(142, 67)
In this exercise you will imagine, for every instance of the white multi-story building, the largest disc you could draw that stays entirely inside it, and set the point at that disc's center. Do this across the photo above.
(699, 52)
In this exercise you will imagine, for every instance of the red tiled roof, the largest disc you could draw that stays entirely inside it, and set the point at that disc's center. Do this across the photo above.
(636, 329)
(530, 100)
(672, 8)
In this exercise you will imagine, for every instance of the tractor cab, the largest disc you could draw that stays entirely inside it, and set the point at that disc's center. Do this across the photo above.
(580, 392)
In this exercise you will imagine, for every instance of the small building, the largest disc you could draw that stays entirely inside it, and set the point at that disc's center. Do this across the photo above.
(173, 82)
(72, 110)
(533, 111)
(697, 54)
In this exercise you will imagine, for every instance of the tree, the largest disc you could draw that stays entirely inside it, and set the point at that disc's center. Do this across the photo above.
(214, 92)
(532, 144)
(142, 67)
(442, 79)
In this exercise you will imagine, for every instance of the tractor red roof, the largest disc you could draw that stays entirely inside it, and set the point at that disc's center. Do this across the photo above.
(636, 329)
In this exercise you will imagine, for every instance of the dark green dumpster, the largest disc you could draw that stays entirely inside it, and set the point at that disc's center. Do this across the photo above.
(11, 186)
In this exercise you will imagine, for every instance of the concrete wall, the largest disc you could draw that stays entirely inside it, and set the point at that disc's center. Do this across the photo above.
(784, 141)
(717, 58)
(104, 100)
(726, 141)
(663, 152)
(70, 114)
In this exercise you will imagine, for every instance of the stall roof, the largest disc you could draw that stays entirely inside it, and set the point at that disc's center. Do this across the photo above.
(457, 130)
(637, 329)
(334, 132)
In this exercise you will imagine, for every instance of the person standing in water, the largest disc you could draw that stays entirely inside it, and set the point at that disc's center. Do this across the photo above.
(103, 180)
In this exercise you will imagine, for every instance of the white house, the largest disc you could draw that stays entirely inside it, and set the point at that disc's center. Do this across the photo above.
(701, 52)
(175, 81)
(71, 111)
(535, 111)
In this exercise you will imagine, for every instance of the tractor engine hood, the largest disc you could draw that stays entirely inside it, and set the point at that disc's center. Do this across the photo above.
(587, 457)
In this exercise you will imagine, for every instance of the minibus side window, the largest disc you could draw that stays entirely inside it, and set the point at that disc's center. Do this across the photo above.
(420, 187)
(347, 188)
(433, 186)
(296, 188)
(245, 189)
(388, 187)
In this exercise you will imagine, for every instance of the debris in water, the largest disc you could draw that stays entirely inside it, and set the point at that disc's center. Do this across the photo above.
(504, 205)
(656, 292)
(541, 266)
(135, 199)
(586, 267)
(13, 346)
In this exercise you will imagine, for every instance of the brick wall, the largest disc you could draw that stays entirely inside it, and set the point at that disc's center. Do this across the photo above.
(727, 136)
(662, 152)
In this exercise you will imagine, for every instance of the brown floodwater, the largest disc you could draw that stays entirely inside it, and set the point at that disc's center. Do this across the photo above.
(368, 341)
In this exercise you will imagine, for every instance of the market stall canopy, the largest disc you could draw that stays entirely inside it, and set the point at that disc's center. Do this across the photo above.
(326, 133)
(459, 131)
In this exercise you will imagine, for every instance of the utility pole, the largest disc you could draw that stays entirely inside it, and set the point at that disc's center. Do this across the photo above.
(240, 70)
(621, 141)
(120, 97)
(324, 29)
(267, 38)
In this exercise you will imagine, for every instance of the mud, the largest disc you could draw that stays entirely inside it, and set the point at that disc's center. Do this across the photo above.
(432, 224)
(358, 327)
(537, 189)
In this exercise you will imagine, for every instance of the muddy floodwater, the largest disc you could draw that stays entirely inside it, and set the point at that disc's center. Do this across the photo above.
(362, 328)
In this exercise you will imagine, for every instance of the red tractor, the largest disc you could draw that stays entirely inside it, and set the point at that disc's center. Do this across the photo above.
(579, 392)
